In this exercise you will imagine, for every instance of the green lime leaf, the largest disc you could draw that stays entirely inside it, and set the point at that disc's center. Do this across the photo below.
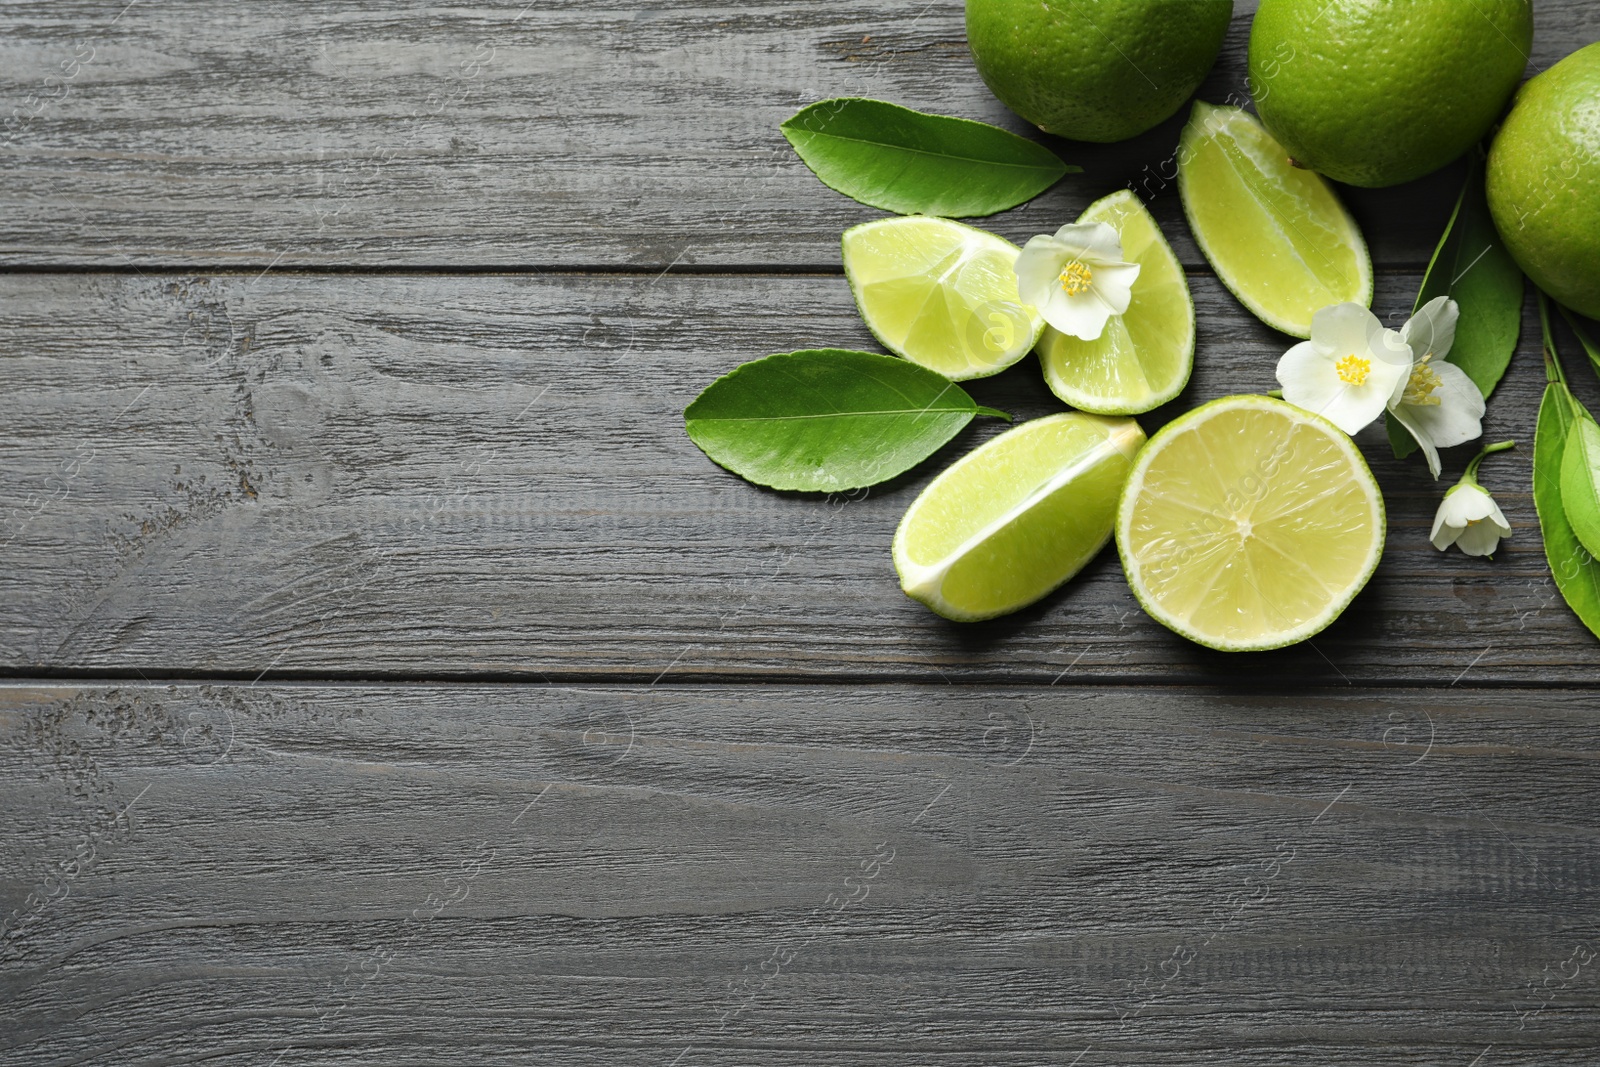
(825, 420)
(1473, 268)
(1580, 483)
(912, 163)
(1574, 568)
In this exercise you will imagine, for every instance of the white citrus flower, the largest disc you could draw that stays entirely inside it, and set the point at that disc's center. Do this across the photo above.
(1349, 370)
(1468, 517)
(1437, 403)
(1076, 278)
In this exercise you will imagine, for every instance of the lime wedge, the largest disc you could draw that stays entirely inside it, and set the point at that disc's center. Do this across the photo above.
(1276, 234)
(1014, 519)
(1144, 357)
(1249, 524)
(940, 294)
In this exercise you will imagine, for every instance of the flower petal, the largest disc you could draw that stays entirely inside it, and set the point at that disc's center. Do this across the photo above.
(1479, 539)
(1037, 268)
(1407, 415)
(1498, 517)
(1351, 411)
(1432, 330)
(1468, 503)
(1354, 407)
(1081, 316)
(1094, 242)
(1444, 535)
(1385, 375)
(1456, 419)
(1113, 285)
(1343, 329)
(1388, 347)
(1310, 378)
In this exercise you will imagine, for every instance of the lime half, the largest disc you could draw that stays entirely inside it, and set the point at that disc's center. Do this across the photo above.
(940, 294)
(1249, 524)
(1276, 234)
(1016, 518)
(1144, 357)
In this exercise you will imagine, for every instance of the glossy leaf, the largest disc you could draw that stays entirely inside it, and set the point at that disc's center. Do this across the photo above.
(909, 162)
(1472, 267)
(1574, 568)
(1580, 483)
(827, 420)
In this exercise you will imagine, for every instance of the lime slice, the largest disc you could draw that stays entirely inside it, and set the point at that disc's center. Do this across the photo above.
(1144, 357)
(1014, 519)
(1276, 234)
(1249, 524)
(940, 294)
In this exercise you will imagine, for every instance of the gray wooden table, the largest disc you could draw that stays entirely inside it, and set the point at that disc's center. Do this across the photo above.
(389, 681)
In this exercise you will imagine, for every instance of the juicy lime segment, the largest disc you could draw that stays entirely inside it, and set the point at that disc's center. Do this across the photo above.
(1249, 524)
(940, 294)
(1145, 356)
(1277, 236)
(1013, 520)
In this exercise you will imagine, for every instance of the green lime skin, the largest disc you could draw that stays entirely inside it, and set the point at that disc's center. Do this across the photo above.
(1544, 181)
(1380, 92)
(1095, 70)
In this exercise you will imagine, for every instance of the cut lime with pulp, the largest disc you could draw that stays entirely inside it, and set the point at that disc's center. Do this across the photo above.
(1249, 524)
(940, 294)
(1144, 357)
(1016, 518)
(1276, 234)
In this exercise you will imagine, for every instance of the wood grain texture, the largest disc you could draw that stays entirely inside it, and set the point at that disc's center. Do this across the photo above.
(405, 478)
(550, 133)
(460, 476)
(498, 874)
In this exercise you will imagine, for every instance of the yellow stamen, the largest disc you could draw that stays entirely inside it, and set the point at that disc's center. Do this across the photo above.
(1076, 278)
(1353, 370)
(1424, 381)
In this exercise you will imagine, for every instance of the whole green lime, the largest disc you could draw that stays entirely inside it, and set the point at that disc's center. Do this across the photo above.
(1544, 181)
(1378, 92)
(1095, 70)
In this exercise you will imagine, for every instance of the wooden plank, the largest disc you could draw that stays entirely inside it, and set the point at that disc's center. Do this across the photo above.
(806, 875)
(469, 476)
(554, 133)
